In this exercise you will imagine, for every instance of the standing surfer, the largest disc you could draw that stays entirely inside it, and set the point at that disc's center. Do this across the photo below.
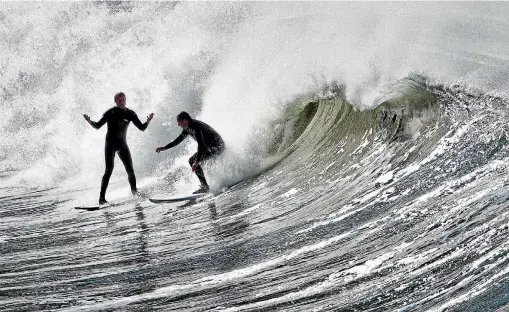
(210, 145)
(118, 118)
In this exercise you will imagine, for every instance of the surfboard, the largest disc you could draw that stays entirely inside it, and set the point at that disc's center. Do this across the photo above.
(125, 201)
(178, 198)
(92, 207)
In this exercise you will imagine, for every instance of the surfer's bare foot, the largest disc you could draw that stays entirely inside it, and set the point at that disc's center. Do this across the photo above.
(102, 201)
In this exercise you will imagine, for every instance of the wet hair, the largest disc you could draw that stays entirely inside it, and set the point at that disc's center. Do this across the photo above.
(183, 116)
(118, 95)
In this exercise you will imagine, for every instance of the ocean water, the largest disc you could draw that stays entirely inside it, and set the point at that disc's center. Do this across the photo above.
(366, 169)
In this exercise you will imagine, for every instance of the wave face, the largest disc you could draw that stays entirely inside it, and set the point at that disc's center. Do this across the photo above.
(413, 191)
(379, 132)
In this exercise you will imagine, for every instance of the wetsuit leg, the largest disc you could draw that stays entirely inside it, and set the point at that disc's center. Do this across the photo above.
(125, 156)
(198, 171)
(109, 157)
(212, 153)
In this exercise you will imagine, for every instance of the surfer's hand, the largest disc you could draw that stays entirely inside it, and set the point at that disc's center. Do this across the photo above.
(196, 164)
(159, 149)
(150, 116)
(87, 118)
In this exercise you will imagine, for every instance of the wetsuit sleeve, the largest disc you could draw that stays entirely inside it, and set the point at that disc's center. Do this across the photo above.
(177, 141)
(136, 121)
(101, 121)
(201, 144)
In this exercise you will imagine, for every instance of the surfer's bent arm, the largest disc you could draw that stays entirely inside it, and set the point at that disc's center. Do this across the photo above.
(142, 126)
(98, 124)
(201, 145)
(177, 141)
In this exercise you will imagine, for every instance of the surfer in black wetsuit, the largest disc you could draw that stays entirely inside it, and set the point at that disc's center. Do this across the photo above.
(210, 144)
(118, 118)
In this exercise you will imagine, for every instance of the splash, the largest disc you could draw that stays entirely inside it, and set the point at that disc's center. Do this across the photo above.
(234, 65)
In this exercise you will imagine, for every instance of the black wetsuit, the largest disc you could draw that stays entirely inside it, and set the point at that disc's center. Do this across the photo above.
(210, 144)
(118, 120)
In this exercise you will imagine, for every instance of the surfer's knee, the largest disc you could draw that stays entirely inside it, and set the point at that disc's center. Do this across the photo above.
(108, 171)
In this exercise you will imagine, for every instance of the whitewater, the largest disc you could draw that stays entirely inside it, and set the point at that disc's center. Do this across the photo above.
(366, 166)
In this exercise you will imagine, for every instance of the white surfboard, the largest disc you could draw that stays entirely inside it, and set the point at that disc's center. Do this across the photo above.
(179, 198)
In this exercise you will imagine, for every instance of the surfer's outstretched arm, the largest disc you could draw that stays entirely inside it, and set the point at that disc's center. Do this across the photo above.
(94, 124)
(173, 143)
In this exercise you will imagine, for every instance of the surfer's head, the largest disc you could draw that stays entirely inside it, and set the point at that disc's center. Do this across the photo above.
(120, 100)
(183, 120)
